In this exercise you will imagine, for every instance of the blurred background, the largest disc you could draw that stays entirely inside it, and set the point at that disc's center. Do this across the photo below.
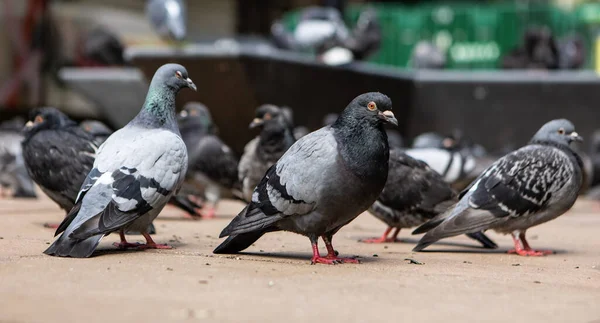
(495, 69)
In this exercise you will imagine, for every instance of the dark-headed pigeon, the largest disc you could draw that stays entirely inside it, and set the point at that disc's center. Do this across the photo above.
(136, 171)
(413, 194)
(527, 187)
(324, 181)
(276, 136)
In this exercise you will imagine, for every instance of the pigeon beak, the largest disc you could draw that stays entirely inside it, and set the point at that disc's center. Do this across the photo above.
(576, 137)
(191, 84)
(388, 116)
(29, 124)
(256, 123)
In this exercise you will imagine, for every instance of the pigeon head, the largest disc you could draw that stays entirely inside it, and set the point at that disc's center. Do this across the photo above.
(46, 118)
(196, 114)
(373, 108)
(168, 18)
(267, 114)
(172, 76)
(560, 131)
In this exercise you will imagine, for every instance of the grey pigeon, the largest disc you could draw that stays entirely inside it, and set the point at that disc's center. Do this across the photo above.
(324, 181)
(13, 174)
(413, 194)
(101, 132)
(213, 166)
(275, 137)
(527, 187)
(168, 18)
(136, 171)
(426, 55)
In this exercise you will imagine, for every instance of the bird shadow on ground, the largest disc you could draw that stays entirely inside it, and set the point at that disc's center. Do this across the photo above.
(117, 251)
(295, 256)
(405, 241)
(189, 219)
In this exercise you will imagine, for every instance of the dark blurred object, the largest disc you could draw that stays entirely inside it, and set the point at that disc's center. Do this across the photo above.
(168, 18)
(426, 55)
(321, 30)
(13, 174)
(537, 51)
(101, 47)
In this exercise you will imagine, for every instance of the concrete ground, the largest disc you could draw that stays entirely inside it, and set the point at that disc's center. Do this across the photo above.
(275, 282)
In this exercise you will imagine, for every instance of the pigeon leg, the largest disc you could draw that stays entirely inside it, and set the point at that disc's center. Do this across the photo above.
(124, 244)
(150, 244)
(332, 254)
(384, 238)
(316, 258)
(522, 247)
(207, 211)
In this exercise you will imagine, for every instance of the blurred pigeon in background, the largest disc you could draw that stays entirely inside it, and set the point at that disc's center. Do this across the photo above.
(298, 131)
(537, 51)
(58, 155)
(136, 171)
(212, 166)
(426, 55)
(322, 31)
(525, 188)
(276, 136)
(324, 181)
(168, 18)
(13, 174)
(413, 194)
(101, 47)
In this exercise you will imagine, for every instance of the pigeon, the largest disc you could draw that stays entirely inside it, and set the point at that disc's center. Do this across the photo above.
(445, 156)
(136, 171)
(58, 154)
(168, 18)
(213, 166)
(298, 131)
(275, 137)
(97, 129)
(13, 174)
(324, 181)
(527, 187)
(395, 140)
(413, 194)
(426, 55)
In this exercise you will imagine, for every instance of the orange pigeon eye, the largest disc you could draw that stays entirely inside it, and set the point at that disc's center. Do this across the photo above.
(38, 119)
(178, 75)
(372, 106)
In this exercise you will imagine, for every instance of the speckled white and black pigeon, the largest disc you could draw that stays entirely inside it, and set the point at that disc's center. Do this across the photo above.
(213, 166)
(136, 171)
(276, 136)
(525, 188)
(324, 181)
(413, 194)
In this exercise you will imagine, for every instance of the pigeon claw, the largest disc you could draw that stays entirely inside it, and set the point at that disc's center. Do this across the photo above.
(531, 252)
(154, 246)
(207, 213)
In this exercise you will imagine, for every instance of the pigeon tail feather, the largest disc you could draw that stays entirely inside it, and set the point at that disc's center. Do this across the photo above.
(251, 219)
(69, 247)
(238, 242)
